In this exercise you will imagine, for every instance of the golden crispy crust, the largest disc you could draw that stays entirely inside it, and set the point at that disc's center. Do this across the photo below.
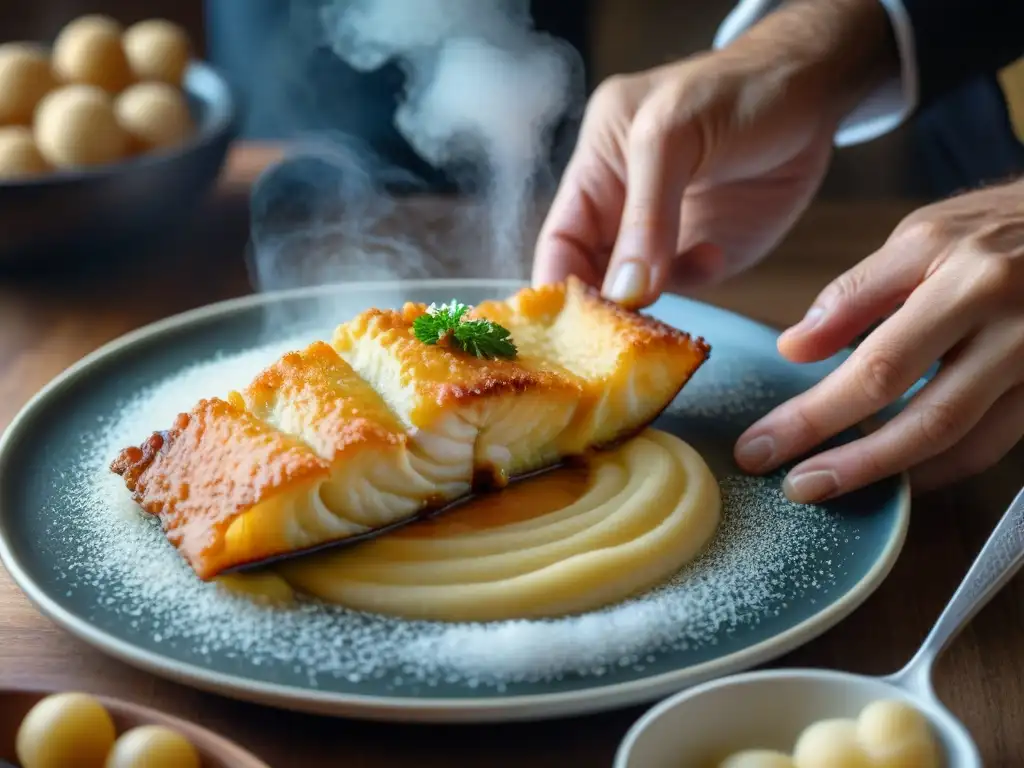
(623, 360)
(337, 410)
(633, 330)
(441, 377)
(293, 425)
(216, 462)
(539, 304)
(640, 332)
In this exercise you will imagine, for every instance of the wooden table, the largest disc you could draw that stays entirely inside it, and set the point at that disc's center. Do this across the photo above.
(45, 326)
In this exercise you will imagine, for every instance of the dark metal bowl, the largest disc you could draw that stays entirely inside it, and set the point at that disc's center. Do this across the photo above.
(98, 213)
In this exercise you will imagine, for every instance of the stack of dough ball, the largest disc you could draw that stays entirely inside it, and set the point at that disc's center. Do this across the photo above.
(75, 729)
(104, 93)
(886, 734)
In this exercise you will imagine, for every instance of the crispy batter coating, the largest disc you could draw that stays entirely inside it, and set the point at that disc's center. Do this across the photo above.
(378, 426)
(422, 381)
(215, 463)
(316, 395)
(629, 366)
(590, 327)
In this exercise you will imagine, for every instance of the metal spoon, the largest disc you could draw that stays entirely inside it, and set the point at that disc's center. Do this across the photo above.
(769, 709)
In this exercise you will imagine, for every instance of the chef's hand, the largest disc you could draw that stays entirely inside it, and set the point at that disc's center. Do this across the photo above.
(954, 274)
(691, 172)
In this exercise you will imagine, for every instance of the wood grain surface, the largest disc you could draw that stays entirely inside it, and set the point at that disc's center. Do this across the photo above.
(47, 324)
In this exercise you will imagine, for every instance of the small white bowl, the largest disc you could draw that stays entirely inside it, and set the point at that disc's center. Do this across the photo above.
(705, 724)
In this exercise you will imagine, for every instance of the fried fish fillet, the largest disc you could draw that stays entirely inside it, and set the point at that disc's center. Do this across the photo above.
(377, 427)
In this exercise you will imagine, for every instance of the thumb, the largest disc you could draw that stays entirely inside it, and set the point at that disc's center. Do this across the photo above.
(660, 161)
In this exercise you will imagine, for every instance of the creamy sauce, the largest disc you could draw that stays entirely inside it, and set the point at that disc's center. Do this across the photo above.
(567, 541)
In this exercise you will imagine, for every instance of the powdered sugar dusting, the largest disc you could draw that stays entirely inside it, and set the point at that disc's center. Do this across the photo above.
(759, 557)
(768, 556)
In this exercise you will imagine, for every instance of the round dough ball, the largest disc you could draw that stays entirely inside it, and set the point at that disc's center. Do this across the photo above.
(157, 49)
(152, 746)
(830, 744)
(65, 729)
(154, 115)
(884, 724)
(19, 156)
(758, 758)
(88, 50)
(76, 127)
(915, 753)
(25, 77)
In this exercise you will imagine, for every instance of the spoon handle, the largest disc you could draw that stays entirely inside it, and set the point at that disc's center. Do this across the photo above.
(1000, 558)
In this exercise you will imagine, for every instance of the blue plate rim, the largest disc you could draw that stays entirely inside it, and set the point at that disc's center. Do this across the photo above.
(588, 700)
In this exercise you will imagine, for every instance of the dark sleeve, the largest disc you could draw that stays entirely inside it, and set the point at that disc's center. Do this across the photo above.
(956, 40)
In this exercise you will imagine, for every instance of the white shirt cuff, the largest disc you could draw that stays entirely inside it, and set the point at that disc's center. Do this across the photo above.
(887, 107)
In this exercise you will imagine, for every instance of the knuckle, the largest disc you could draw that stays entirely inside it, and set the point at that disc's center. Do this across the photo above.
(922, 230)
(879, 377)
(1000, 236)
(644, 217)
(652, 128)
(806, 425)
(992, 275)
(607, 98)
(941, 422)
(871, 467)
(845, 287)
(609, 91)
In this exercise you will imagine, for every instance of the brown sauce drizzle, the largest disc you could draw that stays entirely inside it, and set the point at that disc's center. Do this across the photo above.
(489, 505)
(521, 500)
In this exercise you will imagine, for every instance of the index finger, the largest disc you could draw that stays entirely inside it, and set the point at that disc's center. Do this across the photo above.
(930, 323)
(581, 225)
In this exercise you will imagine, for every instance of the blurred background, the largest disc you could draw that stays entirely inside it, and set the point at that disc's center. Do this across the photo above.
(243, 38)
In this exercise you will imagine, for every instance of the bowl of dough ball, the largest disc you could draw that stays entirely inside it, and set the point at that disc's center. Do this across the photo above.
(110, 136)
(40, 729)
(796, 719)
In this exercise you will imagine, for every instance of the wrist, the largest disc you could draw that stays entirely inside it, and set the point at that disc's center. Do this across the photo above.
(830, 54)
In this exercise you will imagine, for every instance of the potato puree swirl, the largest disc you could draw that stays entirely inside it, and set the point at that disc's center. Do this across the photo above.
(569, 541)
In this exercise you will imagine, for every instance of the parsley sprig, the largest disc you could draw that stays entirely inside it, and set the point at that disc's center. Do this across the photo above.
(447, 324)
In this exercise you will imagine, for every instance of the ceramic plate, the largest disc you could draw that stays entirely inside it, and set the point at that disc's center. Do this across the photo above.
(776, 575)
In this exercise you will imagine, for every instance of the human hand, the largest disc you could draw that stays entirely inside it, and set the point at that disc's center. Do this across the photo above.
(954, 274)
(689, 173)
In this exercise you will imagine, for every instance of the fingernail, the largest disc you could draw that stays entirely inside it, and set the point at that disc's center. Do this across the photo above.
(809, 322)
(809, 487)
(628, 283)
(755, 455)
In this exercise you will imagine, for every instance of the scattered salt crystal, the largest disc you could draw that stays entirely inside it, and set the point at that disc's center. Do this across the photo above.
(763, 561)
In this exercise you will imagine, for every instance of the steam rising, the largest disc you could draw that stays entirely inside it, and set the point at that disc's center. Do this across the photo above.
(483, 95)
(367, 33)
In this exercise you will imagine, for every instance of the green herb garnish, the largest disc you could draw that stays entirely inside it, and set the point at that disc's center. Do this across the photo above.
(446, 324)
